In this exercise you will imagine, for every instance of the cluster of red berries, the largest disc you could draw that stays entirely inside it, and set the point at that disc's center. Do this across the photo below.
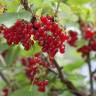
(90, 36)
(49, 35)
(84, 50)
(73, 37)
(44, 30)
(5, 92)
(20, 32)
(32, 67)
(41, 85)
(87, 34)
(87, 30)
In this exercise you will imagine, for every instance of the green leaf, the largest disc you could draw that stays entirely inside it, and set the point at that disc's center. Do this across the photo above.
(12, 55)
(10, 18)
(21, 78)
(11, 5)
(78, 2)
(66, 14)
(26, 91)
(2, 84)
(3, 47)
(73, 66)
(66, 93)
(81, 42)
(35, 49)
(77, 79)
(43, 6)
(57, 84)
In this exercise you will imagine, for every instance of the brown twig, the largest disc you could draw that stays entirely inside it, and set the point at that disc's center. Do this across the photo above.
(65, 81)
(68, 83)
(93, 72)
(26, 6)
(4, 78)
(48, 69)
(57, 9)
(1, 73)
(88, 60)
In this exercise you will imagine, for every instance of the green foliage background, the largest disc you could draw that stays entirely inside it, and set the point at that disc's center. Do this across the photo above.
(68, 14)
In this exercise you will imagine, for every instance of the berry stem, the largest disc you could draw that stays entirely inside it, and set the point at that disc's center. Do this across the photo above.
(26, 6)
(93, 72)
(90, 74)
(1, 73)
(57, 9)
(4, 78)
(2, 60)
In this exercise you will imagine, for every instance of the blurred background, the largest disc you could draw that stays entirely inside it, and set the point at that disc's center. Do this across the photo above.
(74, 66)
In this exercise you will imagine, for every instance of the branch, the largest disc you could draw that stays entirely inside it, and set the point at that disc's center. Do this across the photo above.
(49, 69)
(26, 6)
(93, 72)
(88, 60)
(91, 75)
(4, 78)
(1, 73)
(57, 9)
(68, 83)
(2, 60)
(65, 81)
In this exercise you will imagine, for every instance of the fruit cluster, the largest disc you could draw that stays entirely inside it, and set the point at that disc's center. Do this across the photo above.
(73, 37)
(49, 35)
(32, 68)
(20, 32)
(84, 50)
(88, 35)
(44, 30)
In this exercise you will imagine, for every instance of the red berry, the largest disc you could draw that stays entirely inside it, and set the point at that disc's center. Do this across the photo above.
(44, 19)
(93, 45)
(46, 82)
(5, 91)
(72, 38)
(62, 48)
(41, 89)
(37, 24)
(85, 50)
